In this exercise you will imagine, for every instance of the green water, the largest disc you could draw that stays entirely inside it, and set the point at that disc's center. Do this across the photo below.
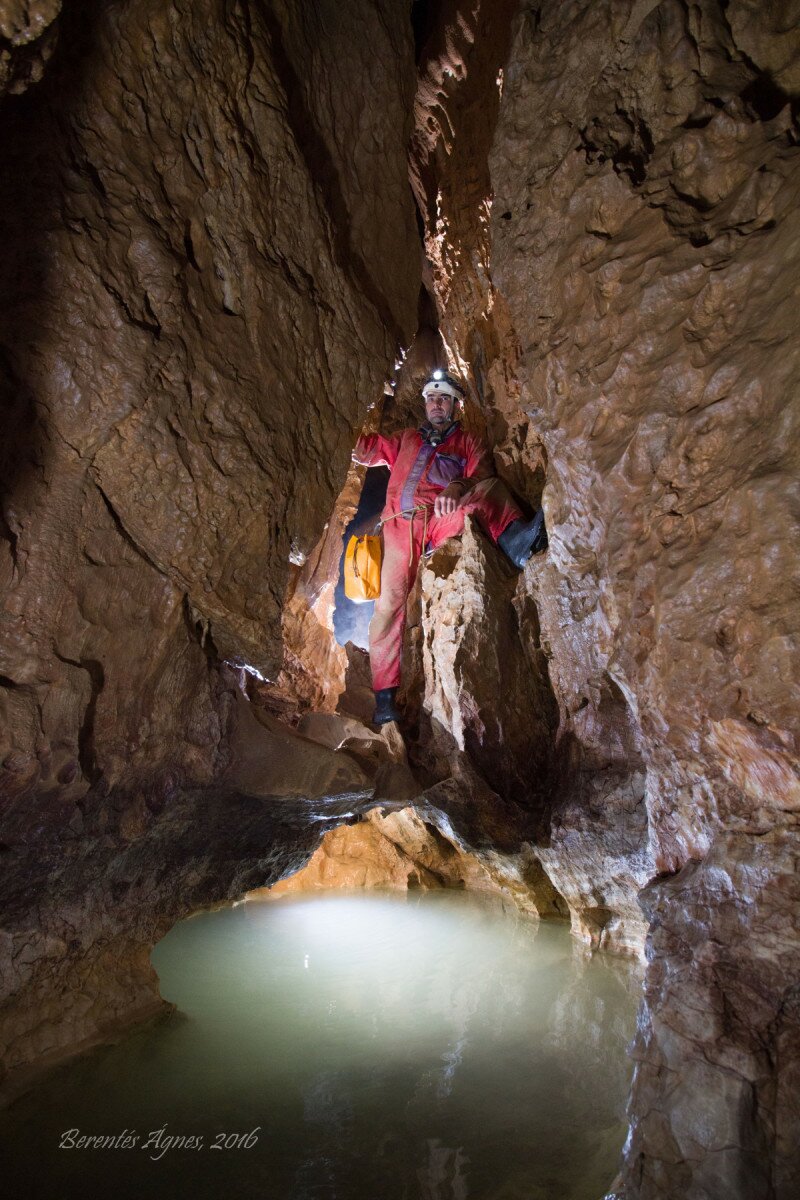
(429, 1047)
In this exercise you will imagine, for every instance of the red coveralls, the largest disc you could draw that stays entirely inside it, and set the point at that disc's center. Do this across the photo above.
(419, 472)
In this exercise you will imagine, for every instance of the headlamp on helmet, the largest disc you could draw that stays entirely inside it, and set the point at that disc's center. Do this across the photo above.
(440, 383)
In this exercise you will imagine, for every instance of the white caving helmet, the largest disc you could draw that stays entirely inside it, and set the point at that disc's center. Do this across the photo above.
(442, 384)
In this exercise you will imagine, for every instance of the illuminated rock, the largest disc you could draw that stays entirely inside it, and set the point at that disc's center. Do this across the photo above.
(205, 282)
(210, 262)
(622, 280)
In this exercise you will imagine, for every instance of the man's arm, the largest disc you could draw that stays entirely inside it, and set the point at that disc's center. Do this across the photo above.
(375, 450)
(479, 465)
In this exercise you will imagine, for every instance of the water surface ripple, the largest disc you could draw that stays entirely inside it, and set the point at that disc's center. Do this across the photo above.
(428, 1047)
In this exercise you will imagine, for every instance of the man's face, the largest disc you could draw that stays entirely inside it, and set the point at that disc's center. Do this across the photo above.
(439, 409)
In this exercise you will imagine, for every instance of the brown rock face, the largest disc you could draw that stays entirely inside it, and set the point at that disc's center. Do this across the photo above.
(205, 279)
(486, 691)
(396, 850)
(210, 263)
(84, 903)
(626, 290)
(28, 31)
(716, 1105)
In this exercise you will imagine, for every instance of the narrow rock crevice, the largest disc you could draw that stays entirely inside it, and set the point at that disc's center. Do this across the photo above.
(86, 748)
(236, 235)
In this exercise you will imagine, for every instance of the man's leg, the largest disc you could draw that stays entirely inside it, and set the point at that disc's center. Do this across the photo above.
(389, 618)
(501, 517)
(493, 505)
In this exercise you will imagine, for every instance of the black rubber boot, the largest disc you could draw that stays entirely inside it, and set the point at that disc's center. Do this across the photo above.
(385, 709)
(521, 539)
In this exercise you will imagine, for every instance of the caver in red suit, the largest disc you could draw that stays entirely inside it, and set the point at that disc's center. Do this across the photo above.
(439, 475)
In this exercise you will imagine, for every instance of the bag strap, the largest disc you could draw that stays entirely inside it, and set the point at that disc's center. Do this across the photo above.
(409, 512)
(406, 512)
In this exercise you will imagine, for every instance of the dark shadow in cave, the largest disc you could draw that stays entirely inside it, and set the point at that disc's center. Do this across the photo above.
(425, 16)
(30, 185)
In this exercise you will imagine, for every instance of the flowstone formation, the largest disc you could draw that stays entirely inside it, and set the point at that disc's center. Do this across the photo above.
(205, 277)
(28, 33)
(211, 274)
(622, 284)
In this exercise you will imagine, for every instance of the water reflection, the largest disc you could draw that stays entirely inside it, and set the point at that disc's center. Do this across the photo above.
(382, 1048)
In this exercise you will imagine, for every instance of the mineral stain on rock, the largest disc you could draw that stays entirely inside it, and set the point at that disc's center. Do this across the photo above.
(211, 272)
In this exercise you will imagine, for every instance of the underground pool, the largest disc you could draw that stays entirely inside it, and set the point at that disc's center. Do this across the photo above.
(432, 1046)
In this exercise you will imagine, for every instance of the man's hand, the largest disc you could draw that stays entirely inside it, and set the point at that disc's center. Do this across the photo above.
(448, 500)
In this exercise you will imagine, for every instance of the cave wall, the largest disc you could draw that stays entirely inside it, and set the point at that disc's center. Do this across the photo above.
(206, 279)
(28, 35)
(204, 282)
(198, 305)
(658, 364)
(622, 288)
(656, 231)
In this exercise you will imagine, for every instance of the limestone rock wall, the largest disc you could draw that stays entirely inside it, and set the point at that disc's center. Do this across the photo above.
(396, 851)
(28, 34)
(583, 761)
(656, 362)
(199, 303)
(485, 690)
(207, 273)
(204, 281)
(622, 290)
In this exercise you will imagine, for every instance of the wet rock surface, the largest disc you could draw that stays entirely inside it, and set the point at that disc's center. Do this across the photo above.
(623, 296)
(209, 270)
(397, 850)
(716, 1102)
(92, 887)
(28, 34)
(205, 279)
(486, 692)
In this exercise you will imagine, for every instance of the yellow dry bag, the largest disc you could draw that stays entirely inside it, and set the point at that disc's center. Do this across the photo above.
(362, 568)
